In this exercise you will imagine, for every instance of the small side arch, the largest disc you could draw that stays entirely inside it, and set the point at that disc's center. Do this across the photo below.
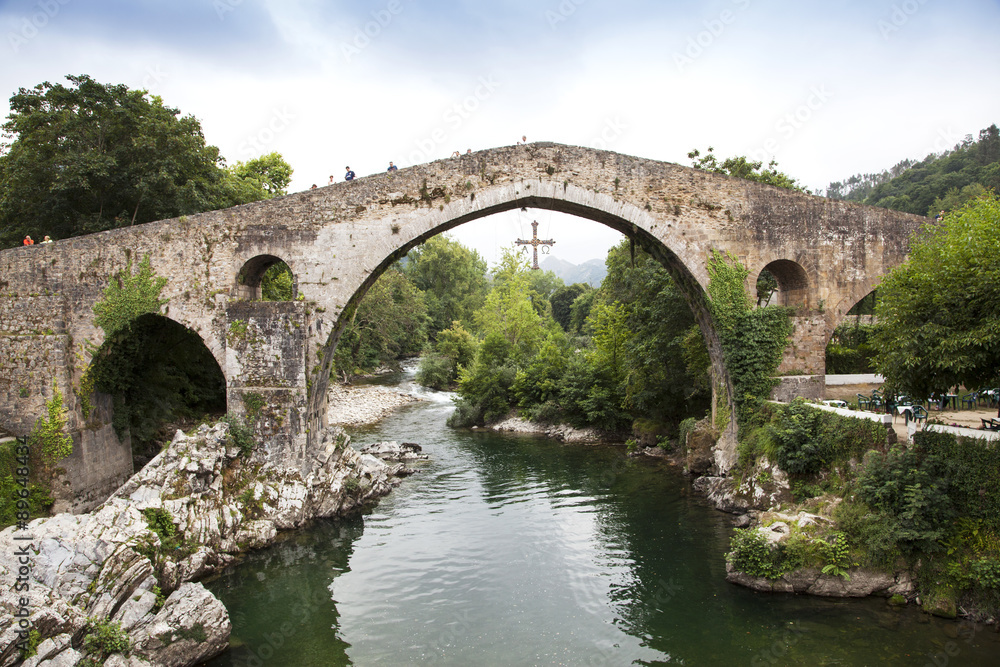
(251, 274)
(792, 284)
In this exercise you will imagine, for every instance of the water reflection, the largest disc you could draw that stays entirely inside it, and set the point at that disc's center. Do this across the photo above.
(511, 550)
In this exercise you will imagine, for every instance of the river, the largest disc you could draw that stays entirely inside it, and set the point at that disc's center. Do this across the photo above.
(514, 550)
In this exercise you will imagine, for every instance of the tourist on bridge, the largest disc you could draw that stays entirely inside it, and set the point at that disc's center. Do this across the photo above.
(349, 176)
(392, 167)
(28, 241)
(46, 239)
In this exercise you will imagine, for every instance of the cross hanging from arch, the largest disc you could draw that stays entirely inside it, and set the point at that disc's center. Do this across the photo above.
(535, 241)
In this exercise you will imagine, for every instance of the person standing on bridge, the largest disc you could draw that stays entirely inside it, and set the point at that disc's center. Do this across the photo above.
(349, 176)
(46, 239)
(28, 241)
(392, 167)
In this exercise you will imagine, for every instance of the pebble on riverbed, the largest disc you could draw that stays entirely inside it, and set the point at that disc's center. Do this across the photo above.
(354, 406)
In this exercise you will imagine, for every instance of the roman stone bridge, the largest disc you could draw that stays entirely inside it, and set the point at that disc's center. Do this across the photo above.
(825, 254)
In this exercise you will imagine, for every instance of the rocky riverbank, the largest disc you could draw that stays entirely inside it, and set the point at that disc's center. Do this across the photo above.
(130, 564)
(353, 406)
(560, 432)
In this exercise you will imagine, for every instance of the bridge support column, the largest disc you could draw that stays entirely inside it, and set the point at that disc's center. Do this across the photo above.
(803, 368)
(266, 374)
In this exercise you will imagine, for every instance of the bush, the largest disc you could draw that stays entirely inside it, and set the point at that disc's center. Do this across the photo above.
(104, 638)
(435, 371)
(751, 553)
(240, 434)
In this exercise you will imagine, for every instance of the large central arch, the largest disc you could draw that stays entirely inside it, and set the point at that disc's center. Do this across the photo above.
(661, 240)
(337, 240)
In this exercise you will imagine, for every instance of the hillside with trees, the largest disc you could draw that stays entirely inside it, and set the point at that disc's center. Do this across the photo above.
(938, 182)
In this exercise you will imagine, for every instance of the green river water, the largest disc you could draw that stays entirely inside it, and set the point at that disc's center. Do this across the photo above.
(513, 550)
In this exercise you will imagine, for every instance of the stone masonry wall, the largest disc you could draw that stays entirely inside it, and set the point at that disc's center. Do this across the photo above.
(338, 239)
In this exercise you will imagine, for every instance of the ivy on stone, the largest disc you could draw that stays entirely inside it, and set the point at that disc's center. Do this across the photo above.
(753, 339)
(128, 296)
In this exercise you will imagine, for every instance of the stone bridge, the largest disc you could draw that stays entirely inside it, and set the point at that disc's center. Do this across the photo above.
(825, 254)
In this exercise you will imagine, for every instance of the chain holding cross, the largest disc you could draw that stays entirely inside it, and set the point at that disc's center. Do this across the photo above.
(535, 242)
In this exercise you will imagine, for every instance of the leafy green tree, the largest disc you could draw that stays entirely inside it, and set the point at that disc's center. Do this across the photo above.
(538, 382)
(454, 349)
(939, 313)
(389, 322)
(128, 296)
(276, 284)
(264, 177)
(543, 285)
(509, 309)
(90, 156)
(512, 332)
(956, 198)
(580, 311)
(453, 279)
(562, 303)
(741, 167)
(656, 380)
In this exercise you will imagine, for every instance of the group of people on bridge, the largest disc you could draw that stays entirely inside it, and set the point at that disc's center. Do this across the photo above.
(29, 241)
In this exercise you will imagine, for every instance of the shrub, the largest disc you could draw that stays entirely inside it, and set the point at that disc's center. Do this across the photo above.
(104, 638)
(751, 553)
(240, 435)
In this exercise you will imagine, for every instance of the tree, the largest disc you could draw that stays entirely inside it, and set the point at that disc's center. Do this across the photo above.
(389, 322)
(939, 313)
(741, 167)
(453, 279)
(656, 380)
(264, 177)
(90, 156)
(562, 303)
(454, 349)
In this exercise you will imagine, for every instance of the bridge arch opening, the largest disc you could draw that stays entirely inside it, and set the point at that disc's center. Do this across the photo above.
(783, 283)
(266, 278)
(160, 376)
(849, 349)
(644, 231)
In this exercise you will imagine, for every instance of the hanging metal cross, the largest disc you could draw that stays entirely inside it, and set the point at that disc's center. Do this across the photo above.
(535, 241)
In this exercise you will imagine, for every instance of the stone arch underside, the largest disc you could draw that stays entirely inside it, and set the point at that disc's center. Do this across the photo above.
(629, 220)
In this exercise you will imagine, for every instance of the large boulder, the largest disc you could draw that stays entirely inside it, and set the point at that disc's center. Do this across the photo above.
(131, 561)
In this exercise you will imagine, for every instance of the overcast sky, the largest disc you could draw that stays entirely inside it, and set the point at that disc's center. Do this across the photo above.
(826, 89)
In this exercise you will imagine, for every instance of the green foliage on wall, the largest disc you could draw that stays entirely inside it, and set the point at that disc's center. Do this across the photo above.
(753, 339)
(49, 434)
(128, 296)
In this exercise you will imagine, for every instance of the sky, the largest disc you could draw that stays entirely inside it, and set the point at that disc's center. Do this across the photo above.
(825, 89)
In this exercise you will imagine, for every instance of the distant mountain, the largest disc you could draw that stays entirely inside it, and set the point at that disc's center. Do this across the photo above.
(591, 272)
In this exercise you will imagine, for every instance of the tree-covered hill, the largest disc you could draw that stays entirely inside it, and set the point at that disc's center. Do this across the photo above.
(936, 183)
